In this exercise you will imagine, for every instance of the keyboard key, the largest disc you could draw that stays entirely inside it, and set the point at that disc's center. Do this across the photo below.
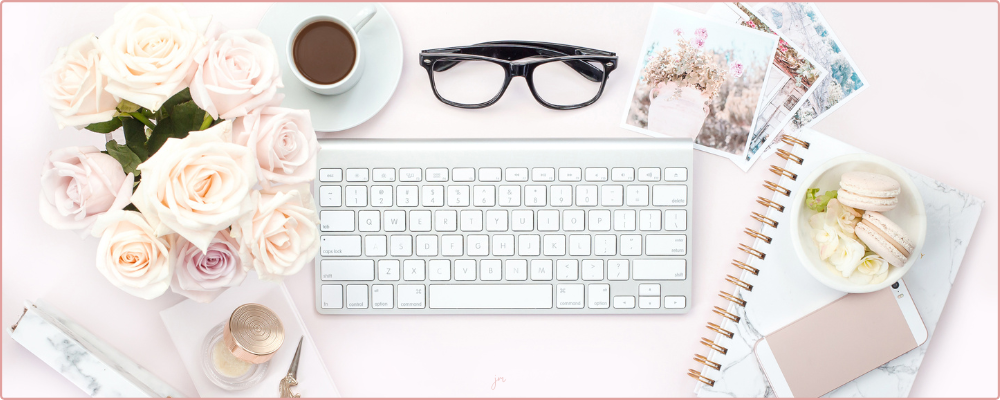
(649, 302)
(489, 174)
(592, 270)
(463, 174)
(330, 196)
(445, 220)
(357, 296)
(406, 196)
(605, 245)
(597, 174)
(357, 174)
(439, 270)
(649, 289)
(666, 245)
(509, 196)
(522, 220)
(332, 296)
(347, 270)
(649, 220)
(534, 196)
(503, 245)
(622, 174)
(543, 174)
(484, 196)
(465, 270)
(675, 174)
(599, 296)
(674, 220)
(479, 245)
(336, 221)
(567, 270)
(472, 221)
(381, 196)
(618, 270)
(561, 195)
(624, 302)
(523, 296)
(383, 175)
(451, 245)
(570, 174)
(413, 270)
(586, 195)
(599, 220)
(368, 221)
(554, 245)
(624, 220)
(658, 270)
(420, 221)
(432, 196)
(410, 296)
(649, 174)
(572, 220)
(489, 270)
(437, 174)
(340, 246)
(388, 270)
(528, 245)
(517, 174)
(395, 221)
(357, 196)
(548, 220)
(401, 245)
(516, 270)
(382, 296)
(611, 195)
(579, 245)
(458, 196)
(409, 174)
(637, 196)
(375, 246)
(669, 195)
(427, 245)
(631, 245)
(569, 296)
(330, 175)
(541, 270)
(674, 301)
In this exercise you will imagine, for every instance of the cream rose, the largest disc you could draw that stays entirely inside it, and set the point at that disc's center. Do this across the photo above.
(847, 255)
(147, 53)
(196, 186)
(280, 236)
(871, 270)
(203, 276)
(283, 143)
(78, 185)
(236, 74)
(74, 86)
(845, 217)
(131, 256)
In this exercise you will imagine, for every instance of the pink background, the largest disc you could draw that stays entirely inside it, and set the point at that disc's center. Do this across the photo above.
(931, 107)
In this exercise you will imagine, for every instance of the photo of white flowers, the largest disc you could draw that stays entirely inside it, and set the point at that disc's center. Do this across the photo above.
(699, 78)
(802, 24)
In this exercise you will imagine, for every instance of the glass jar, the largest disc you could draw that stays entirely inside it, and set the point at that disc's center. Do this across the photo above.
(236, 353)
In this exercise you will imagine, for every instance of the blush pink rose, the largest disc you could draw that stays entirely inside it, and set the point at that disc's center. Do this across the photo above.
(131, 256)
(236, 73)
(280, 236)
(78, 185)
(204, 276)
(283, 144)
(74, 86)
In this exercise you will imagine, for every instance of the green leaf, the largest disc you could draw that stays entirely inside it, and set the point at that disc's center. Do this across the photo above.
(124, 155)
(105, 127)
(126, 106)
(818, 203)
(183, 118)
(166, 109)
(135, 137)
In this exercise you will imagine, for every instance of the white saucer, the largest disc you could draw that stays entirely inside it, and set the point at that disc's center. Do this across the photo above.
(383, 51)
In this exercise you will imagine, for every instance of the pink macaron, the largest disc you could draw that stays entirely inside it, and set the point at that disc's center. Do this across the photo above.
(884, 237)
(868, 191)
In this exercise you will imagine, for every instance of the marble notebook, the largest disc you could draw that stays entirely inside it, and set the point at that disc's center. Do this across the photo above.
(784, 291)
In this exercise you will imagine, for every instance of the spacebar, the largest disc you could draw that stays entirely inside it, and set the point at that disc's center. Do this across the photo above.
(490, 296)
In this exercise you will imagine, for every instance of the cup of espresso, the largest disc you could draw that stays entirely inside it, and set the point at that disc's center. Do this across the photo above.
(325, 53)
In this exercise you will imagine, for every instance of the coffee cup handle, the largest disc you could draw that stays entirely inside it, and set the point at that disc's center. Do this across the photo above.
(362, 17)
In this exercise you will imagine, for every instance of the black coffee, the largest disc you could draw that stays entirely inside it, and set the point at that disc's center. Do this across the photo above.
(324, 52)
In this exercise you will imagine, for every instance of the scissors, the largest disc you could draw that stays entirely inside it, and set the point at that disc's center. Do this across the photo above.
(285, 387)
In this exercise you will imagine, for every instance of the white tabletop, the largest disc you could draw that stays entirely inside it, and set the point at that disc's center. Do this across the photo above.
(931, 107)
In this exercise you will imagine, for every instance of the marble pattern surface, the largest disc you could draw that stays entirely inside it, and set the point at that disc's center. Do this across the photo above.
(780, 298)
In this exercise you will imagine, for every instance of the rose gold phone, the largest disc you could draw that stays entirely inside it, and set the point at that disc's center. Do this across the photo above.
(840, 342)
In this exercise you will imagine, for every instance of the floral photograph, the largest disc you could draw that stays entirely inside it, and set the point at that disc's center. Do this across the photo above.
(699, 78)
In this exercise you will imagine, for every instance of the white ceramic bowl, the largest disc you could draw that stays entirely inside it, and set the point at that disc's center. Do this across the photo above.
(909, 214)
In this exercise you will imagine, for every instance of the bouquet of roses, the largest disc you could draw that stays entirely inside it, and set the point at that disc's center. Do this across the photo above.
(213, 176)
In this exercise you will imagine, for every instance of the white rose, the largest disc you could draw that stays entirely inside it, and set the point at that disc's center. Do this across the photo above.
(871, 270)
(283, 143)
(827, 239)
(845, 217)
(196, 186)
(847, 255)
(78, 185)
(236, 74)
(148, 51)
(131, 256)
(75, 88)
(280, 236)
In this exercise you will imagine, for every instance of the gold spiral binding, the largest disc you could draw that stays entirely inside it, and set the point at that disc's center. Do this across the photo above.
(789, 156)
(752, 251)
(746, 267)
(738, 282)
(757, 216)
(730, 316)
(792, 140)
(722, 331)
(768, 203)
(783, 172)
(710, 344)
(758, 235)
(704, 360)
(777, 188)
(740, 302)
(701, 378)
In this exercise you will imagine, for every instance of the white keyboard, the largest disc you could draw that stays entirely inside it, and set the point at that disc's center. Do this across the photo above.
(504, 226)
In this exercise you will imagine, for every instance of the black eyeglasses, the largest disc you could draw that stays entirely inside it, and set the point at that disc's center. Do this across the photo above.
(560, 77)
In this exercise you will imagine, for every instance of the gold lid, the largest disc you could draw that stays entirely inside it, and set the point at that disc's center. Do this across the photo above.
(253, 333)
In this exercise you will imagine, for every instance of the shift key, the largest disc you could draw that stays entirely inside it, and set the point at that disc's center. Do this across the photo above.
(340, 246)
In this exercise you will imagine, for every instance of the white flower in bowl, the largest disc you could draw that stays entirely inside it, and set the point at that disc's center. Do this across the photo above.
(847, 255)
(871, 270)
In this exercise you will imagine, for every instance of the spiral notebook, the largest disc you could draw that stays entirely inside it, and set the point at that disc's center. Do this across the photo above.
(772, 290)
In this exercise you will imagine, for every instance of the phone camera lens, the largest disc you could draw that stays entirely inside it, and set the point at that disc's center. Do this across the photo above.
(895, 285)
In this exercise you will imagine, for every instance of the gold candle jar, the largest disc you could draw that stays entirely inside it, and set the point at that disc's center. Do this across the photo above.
(237, 352)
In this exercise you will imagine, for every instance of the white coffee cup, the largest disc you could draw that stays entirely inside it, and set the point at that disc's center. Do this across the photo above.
(356, 23)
